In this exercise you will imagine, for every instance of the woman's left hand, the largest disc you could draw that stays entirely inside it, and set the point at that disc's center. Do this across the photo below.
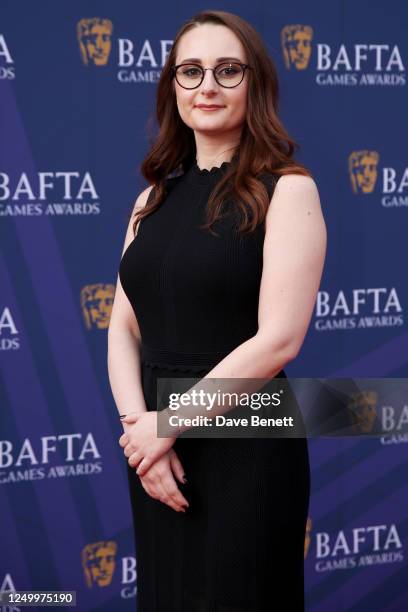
(140, 442)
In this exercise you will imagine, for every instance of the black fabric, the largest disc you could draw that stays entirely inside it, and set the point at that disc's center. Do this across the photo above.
(240, 545)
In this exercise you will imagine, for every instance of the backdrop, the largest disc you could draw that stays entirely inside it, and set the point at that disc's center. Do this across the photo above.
(77, 91)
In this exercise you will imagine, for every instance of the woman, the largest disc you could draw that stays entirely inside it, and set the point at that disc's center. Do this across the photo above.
(218, 278)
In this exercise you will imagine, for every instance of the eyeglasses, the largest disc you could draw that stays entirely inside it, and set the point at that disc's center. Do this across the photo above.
(191, 76)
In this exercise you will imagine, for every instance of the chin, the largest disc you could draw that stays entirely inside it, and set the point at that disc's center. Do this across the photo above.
(209, 127)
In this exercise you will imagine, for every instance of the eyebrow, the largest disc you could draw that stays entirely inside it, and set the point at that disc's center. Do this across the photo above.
(219, 59)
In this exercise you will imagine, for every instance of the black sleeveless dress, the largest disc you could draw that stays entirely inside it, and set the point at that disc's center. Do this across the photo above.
(240, 545)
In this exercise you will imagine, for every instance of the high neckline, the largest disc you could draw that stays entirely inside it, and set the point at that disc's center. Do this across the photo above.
(204, 175)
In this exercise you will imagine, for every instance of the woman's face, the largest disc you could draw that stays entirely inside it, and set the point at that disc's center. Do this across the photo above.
(207, 43)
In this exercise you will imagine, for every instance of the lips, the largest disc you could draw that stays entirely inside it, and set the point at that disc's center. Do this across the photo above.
(208, 106)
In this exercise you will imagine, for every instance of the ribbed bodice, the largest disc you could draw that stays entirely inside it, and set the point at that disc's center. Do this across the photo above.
(193, 293)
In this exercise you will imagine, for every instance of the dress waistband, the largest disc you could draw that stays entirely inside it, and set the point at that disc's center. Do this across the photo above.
(175, 360)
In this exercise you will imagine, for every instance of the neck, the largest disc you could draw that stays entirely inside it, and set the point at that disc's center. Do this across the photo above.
(210, 153)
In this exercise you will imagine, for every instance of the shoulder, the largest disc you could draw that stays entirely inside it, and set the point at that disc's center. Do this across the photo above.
(142, 199)
(294, 192)
(146, 195)
(297, 184)
(295, 206)
(140, 203)
(294, 185)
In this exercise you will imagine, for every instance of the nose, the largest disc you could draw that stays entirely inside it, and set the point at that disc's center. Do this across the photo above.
(209, 83)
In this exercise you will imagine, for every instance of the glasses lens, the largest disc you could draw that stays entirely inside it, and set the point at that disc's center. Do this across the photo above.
(189, 75)
(229, 75)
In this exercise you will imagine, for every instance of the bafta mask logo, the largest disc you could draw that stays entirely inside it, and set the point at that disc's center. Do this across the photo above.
(362, 411)
(363, 170)
(96, 304)
(296, 41)
(308, 536)
(98, 563)
(94, 39)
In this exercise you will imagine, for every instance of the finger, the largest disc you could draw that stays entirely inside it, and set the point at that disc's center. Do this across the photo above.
(126, 427)
(150, 457)
(129, 450)
(160, 492)
(145, 465)
(164, 497)
(172, 490)
(176, 466)
(152, 485)
(131, 418)
(135, 459)
(124, 439)
(149, 488)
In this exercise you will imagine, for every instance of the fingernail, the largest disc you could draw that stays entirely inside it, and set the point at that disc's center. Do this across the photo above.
(184, 478)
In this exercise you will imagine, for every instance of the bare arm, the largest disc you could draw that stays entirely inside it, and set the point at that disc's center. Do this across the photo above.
(124, 376)
(124, 341)
(293, 259)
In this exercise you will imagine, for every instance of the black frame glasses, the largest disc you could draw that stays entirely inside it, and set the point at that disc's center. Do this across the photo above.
(243, 66)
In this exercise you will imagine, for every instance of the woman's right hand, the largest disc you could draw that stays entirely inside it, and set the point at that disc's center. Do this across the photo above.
(159, 482)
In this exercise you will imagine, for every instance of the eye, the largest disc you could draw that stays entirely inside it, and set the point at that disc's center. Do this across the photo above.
(228, 70)
(191, 71)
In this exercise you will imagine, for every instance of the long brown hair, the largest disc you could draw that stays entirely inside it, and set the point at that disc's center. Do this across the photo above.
(265, 146)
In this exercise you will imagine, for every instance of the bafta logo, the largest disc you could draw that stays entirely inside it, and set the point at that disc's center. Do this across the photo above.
(308, 536)
(363, 170)
(296, 41)
(94, 39)
(98, 563)
(362, 411)
(96, 304)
